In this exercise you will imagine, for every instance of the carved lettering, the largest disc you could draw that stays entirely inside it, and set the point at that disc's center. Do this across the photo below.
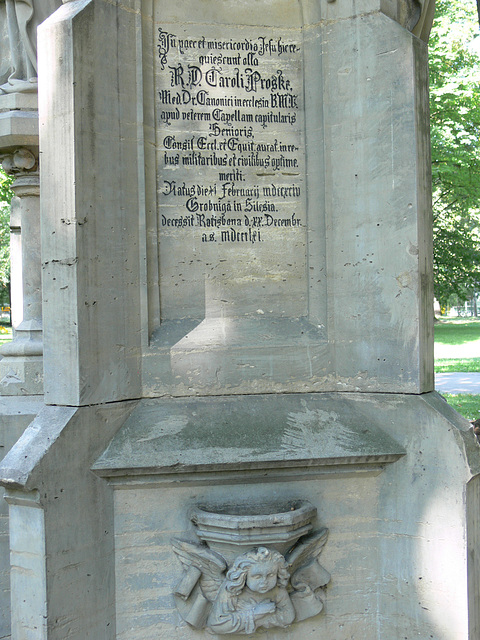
(229, 125)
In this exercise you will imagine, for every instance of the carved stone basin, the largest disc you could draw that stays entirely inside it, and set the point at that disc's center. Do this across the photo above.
(232, 530)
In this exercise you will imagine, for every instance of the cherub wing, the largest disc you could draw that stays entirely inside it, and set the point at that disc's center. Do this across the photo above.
(308, 548)
(199, 563)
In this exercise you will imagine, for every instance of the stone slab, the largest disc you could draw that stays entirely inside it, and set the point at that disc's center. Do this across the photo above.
(365, 301)
(18, 120)
(166, 436)
(21, 375)
(18, 102)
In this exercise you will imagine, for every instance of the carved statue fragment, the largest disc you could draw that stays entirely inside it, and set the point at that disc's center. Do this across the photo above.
(260, 588)
(19, 20)
(410, 12)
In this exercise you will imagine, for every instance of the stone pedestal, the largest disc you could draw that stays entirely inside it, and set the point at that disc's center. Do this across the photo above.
(18, 129)
(236, 250)
(18, 121)
(399, 504)
(21, 364)
(21, 368)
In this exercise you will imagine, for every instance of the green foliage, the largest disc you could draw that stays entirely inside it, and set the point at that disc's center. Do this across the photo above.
(457, 332)
(455, 132)
(6, 194)
(5, 198)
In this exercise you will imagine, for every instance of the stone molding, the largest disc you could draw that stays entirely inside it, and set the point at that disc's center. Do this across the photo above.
(298, 437)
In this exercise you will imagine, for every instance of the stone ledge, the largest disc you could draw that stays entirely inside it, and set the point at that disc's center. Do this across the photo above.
(18, 129)
(18, 120)
(18, 102)
(269, 436)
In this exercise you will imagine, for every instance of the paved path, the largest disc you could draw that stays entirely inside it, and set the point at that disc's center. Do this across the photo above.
(457, 382)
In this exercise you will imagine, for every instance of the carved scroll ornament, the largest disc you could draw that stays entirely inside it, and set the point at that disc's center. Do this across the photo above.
(20, 160)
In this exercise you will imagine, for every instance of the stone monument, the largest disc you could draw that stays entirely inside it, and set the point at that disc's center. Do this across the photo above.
(239, 432)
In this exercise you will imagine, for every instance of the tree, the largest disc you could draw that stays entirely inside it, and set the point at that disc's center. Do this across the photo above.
(6, 195)
(455, 133)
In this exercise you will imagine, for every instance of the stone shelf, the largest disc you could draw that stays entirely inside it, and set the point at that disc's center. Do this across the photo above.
(18, 120)
(265, 435)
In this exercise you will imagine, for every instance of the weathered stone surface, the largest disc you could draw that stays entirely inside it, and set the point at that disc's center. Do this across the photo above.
(396, 539)
(374, 191)
(18, 120)
(298, 360)
(15, 416)
(208, 317)
(90, 203)
(313, 431)
(68, 514)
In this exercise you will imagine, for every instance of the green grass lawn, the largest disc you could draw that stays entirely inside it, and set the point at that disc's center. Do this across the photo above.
(457, 348)
(5, 333)
(457, 345)
(457, 331)
(446, 365)
(466, 403)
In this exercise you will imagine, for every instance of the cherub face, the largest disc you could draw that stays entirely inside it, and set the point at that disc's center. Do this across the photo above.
(262, 577)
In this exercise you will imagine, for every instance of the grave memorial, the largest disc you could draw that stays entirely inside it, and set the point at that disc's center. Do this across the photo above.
(235, 120)
(239, 433)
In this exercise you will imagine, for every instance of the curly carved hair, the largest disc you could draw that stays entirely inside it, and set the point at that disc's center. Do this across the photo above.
(237, 574)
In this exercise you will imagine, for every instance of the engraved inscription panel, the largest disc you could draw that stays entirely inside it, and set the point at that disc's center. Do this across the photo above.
(230, 171)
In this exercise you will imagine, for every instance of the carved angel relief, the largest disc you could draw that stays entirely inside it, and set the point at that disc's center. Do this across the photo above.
(260, 588)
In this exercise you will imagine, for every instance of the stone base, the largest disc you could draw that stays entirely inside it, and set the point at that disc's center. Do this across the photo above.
(21, 376)
(15, 415)
(18, 120)
(394, 478)
(69, 591)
